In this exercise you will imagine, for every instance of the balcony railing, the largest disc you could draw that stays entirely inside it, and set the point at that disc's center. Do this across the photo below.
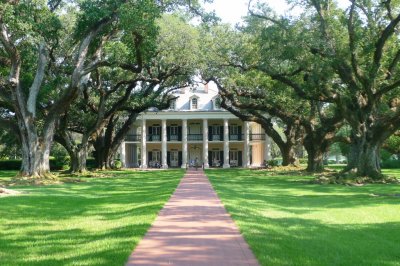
(236, 137)
(195, 137)
(257, 136)
(173, 138)
(216, 137)
(153, 137)
(133, 137)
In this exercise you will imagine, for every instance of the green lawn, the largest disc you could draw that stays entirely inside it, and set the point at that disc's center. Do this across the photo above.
(289, 222)
(6, 176)
(97, 222)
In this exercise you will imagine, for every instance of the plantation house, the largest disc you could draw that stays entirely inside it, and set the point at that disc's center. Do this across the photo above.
(194, 129)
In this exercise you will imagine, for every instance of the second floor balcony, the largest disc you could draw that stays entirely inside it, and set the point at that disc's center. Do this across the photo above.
(193, 137)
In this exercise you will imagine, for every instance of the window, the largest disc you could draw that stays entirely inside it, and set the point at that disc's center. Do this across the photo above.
(217, 103)
(174, 132)
(233, 158)
(156, 130)
(172, 105)
(233, 155)
(234, 132)
(216, 158)
(156, 156)
(174, 158)
(194, 104)
(216, 132)
(155, 133)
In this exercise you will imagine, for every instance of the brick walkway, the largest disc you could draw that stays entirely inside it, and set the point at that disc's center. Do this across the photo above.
(193, 229)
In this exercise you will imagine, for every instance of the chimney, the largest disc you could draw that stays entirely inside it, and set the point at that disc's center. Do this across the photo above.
(183, 89)
(206, 88)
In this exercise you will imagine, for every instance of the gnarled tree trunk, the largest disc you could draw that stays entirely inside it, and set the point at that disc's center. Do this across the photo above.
(315, 160)
(35, 156)
(364, 155)
(78, 160)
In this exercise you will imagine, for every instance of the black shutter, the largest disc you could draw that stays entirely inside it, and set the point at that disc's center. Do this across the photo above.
(149, 133)
(180, 133)
(150, 156)
(210, 160)
(240, 132)
(240, 159)
(168, 133)
(221, 133)
(169, 158)
(221, 157)
(229, 132)
(180, 158)
(210, 133)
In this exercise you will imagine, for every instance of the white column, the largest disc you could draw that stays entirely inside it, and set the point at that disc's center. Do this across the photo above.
(205, 143)
(122, 154)
(246, 152)
(267, 148)
(164, 144)
(144, 149)
(226, 144)
(184, 143)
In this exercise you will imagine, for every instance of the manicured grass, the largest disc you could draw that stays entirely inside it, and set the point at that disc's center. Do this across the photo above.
(287, 221)
(97, 222)
(6, 175)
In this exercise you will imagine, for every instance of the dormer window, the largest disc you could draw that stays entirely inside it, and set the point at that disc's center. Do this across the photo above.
(172, 105)
(218, 103)
(194, 104)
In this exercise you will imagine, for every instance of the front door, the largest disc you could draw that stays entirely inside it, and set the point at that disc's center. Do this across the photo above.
(174, 158)
(195, 153)
(216, 158)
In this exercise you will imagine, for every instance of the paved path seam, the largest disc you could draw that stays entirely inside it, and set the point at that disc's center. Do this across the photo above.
(193, 229)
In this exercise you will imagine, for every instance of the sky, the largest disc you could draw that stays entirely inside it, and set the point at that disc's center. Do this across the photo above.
(231, 11)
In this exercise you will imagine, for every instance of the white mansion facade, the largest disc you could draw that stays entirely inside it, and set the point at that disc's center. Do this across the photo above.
(194, 129)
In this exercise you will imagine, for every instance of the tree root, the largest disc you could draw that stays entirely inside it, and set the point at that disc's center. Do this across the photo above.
(351, 179)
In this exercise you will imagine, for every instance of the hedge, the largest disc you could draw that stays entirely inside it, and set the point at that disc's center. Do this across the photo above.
(55, 164)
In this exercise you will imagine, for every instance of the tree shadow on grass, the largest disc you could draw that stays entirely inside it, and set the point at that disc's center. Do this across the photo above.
(290, 194)
(294, 241)
(287, 222)
(93, 223)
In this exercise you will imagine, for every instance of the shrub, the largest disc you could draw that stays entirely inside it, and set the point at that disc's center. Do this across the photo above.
(61, 163)
(91, 163)
(10, 164)
(303, 160)
(273, 163)
(390, 164)
(117, 164)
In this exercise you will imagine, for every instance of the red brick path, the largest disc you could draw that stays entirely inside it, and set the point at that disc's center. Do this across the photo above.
(193, 229)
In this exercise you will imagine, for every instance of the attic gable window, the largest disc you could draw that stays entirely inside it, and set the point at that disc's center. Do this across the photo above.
(194, 104)
(172, 105)
(218, 103)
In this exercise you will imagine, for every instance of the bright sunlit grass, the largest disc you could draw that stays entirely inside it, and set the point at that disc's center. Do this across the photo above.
(287, 221)
(97, 222)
